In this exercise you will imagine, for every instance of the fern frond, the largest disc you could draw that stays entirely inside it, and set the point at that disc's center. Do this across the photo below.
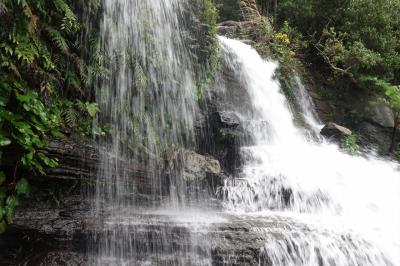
(26, 50)
(70, 115)
(83, 72)
(70, 21)
(7, 63)
(58, 39)
(74, 82)
(3, 8)
(40, 7)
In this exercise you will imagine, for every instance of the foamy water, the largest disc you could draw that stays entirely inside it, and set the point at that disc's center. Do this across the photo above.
(286, 172)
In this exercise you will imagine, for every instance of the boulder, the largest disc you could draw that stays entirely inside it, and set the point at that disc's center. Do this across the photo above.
(335, 132)
(381, 114)
(198, 171)
(197, 167)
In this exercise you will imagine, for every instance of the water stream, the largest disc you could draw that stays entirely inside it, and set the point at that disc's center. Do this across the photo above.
(345, 201)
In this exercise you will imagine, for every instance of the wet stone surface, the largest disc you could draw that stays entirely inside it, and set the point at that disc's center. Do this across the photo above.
(42, 236)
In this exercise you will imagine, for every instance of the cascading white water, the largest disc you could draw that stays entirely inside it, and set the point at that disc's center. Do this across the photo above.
(148, 100)
(147, 97)
(306, 106)
(349, 203)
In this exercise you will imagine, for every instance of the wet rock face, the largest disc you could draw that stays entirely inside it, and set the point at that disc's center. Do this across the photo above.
(80, 161)
(223, 138)
(372, 135)
(49, 236)
(45, 233)
(227, 119)
(59, 258)
(228, 134)
(222, 131)
(162, 238)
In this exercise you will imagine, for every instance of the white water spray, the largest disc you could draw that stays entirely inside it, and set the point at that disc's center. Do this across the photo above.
(307, 107)
(349, 202)
(148, 99)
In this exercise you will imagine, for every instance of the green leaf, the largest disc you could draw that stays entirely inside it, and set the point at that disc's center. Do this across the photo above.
(3, 101)
(24, 98)
(4, 141)
(38, 167)
(48, 161)
(92, 109)
(12, 203)
(2, 212)
(2, 177)
(22, 187)
(56, 133)
(3, 226)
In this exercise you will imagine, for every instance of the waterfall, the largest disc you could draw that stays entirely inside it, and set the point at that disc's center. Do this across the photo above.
(147, 99)
(345, 202)
(148, 96)
(312, 203)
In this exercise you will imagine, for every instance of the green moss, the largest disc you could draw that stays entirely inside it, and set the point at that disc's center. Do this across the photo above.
(209, 59)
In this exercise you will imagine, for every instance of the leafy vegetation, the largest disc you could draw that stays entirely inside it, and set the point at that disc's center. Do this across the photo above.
(45, 73)
(282, 45)
(353, 43)
(349, 143)
(347, 36)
